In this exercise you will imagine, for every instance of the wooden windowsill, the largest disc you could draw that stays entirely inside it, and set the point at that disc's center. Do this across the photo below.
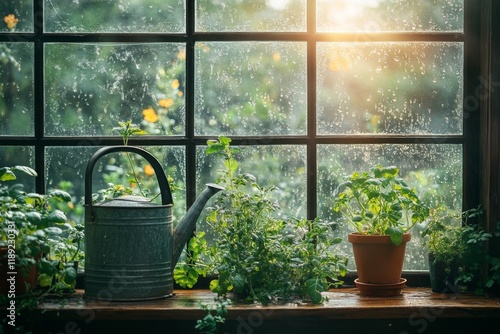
(344, 303)
(415, 311)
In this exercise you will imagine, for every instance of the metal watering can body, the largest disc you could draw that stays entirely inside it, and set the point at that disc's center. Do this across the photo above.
(131, 246)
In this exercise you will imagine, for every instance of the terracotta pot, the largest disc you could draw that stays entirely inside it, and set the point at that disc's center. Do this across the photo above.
(20, 280)
(378, 260)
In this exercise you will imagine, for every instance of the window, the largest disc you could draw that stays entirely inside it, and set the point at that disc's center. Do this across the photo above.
(311, 91)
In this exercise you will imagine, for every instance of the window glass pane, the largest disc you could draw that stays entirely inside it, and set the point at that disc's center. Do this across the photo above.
(435, 171)
(90, 87)
(11, 156)
(16, 89)
(17, 16)
(251, 88)
(251, 15)
(283, 166)
(390, 15)
(117, 16)
(66, 167)
(393, 88)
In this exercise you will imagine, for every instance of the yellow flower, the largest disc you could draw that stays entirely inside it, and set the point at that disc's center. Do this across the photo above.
(166, 103)
(148, 170)
(175, 84)
(276, 56)
(150, 115)
(11, 21)
(179, 94)
(181, 55)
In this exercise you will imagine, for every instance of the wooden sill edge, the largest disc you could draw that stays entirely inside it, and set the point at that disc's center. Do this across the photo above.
(343, 303)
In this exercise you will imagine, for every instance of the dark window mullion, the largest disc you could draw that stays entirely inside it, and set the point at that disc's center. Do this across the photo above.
(472, 102)
(312, 166)
(38, 82)
(190, 87)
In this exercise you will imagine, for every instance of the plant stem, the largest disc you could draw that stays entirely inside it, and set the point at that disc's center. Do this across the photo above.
(135, 174)
(76, 252)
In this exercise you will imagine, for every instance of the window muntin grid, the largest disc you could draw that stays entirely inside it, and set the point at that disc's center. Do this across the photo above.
(188, 36)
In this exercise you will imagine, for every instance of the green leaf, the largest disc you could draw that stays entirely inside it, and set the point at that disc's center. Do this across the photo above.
(69, 275)
(225, 140)
(34, 198)
(139, 132)
(390, 171)
(214, 147)
(314, 287)
(197, 244)
(396, 235)
(221, 285)
(214, 284)
(60, 195)
(26, 170)
(53, 230)
(6, 174)
(342, 187)
(33, 217)
(185, 276)
(45, 266)
(40, 234)
(45, 280)
(238, 284)
(373, 182)
(231, 165)
(337, 240)
(56, 217)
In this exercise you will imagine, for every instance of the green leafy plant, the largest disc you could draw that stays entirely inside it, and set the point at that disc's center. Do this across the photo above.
(453, 239)
(41, 231)
(38, 234)
(112, 191)
(216, 315)
(66, 255)
(126, 130)
(138, 181)
(379, 202)
(255, 255)
(116, 186)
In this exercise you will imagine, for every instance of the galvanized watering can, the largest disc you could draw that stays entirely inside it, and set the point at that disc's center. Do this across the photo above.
(131, 246)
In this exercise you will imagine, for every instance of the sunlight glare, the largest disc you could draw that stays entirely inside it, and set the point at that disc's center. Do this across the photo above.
(278, 4)
(342, 12)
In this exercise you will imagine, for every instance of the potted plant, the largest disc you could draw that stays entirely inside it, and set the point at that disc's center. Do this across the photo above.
(254, 255)
(66, 255)
(381, 209)
(29, 223)
(32, 228)
(458, 252)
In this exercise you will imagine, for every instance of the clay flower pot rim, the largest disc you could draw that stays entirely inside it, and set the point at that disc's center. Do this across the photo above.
(356, 237)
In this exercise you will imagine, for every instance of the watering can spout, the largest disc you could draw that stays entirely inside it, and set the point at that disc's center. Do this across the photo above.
(185, 228)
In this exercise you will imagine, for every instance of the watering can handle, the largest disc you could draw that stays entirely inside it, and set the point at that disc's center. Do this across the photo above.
(166, 194)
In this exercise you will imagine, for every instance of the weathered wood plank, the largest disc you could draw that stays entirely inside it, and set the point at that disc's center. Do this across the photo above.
(345, 303)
